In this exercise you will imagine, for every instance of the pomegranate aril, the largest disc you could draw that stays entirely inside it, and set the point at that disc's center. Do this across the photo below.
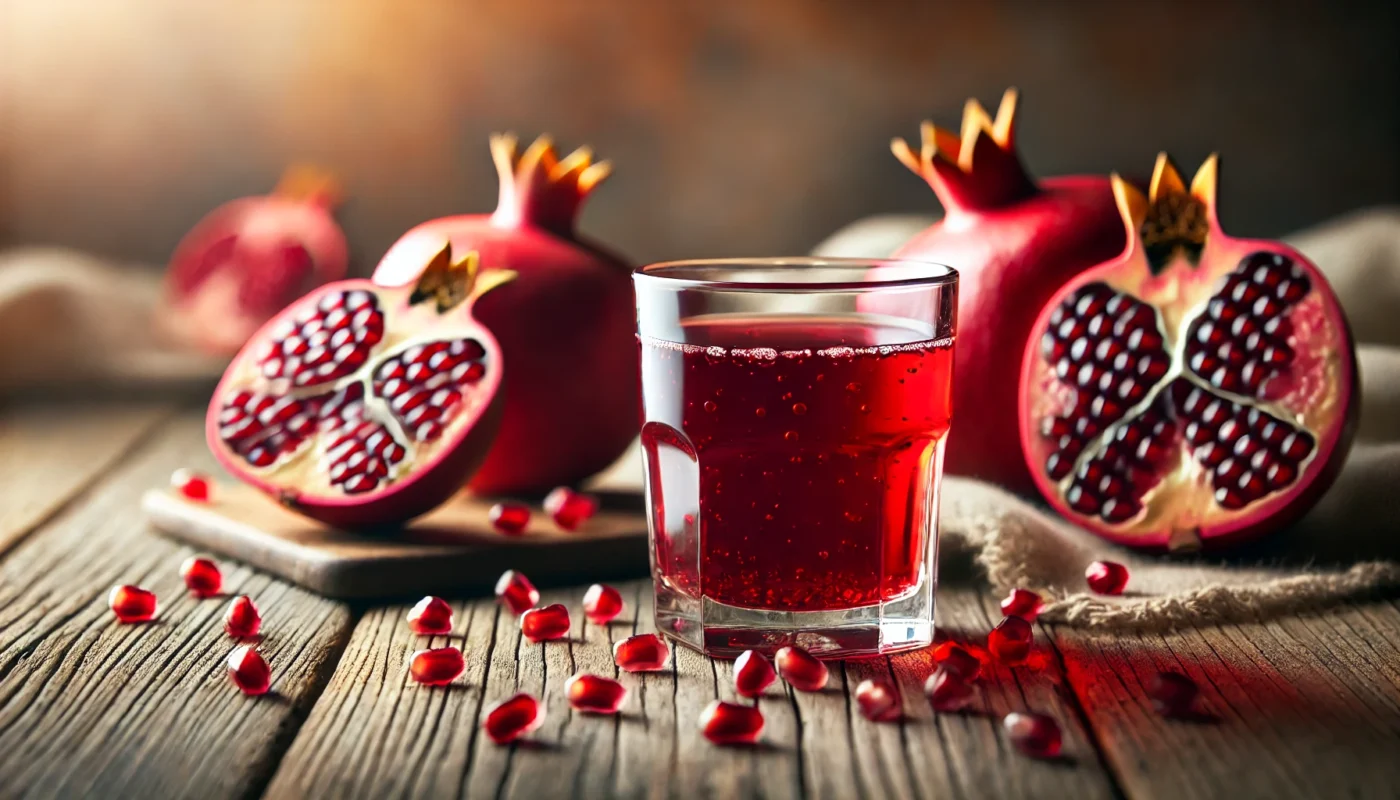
(436, 667)
(645, 652)
(1023, 603)
(954, 659)
(431, 616)
(1106, 577)
(512, 718)
(601, 604)
(242, 619)
(1172, 694)
(595, 694)
(1010, 641)
(192, 485)
(731, 723)
(516, 592)
(545, 624)
(510, 518)
(878, 700)
(802, 670)
(202, 576)
(569, 509)
(132, 604)
(1035, 735)
(419, 386)
(248, 670)
(947, 692)
(753, 674)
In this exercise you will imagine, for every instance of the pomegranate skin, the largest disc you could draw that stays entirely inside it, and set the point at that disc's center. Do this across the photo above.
(566, 324)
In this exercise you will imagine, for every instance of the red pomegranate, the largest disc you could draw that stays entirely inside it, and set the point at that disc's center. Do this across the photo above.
(1195, 391)
(1014, 242)
(566, 325)
(249, 258)
(362, 405)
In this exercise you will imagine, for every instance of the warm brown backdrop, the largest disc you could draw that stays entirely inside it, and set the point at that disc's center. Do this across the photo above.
(736, 126)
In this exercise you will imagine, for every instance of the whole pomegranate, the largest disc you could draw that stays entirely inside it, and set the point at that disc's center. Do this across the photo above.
(1014, 242)
(566, 324)
(1195, 391)
(362, 405)
(249, 258)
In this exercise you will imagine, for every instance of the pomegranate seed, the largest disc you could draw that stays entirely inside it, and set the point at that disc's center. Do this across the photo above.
(568, 508)
(192, 485)
(510, 518)
(1106, 577)
(516, 592)
(545, 624)
(431, 616)
(202, 576)
(248, 670)
(1021, 603)
(594, 694)
(132, 604)
(801, 669)
(731, 723)
(242, 619)
(601, 604)
(946, 691)
(878, 701)
(645, 652)
(1172, 694)
(436, 667)
(954, 659)
(1035, 735)
(1010, 641)
(753, 673)
(512, 718)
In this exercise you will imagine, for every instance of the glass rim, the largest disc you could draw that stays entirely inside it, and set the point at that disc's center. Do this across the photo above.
(682, 274)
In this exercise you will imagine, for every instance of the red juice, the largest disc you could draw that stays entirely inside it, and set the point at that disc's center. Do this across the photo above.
(792, 459)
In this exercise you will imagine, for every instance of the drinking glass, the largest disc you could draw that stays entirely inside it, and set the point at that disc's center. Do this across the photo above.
(795, 415)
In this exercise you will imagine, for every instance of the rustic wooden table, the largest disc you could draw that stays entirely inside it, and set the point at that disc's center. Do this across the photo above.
(1304, 707)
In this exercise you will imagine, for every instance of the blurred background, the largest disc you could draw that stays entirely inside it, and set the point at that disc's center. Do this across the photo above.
(734, 127)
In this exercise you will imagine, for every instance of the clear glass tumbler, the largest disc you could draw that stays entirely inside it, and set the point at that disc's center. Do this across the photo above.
(796, 411)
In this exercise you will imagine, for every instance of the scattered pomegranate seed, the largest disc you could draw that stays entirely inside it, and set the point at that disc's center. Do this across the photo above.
(1010, 641)
(946, 691)
(192, 485)
(510, 518)
(248, 670)
(512, 718)
(132, 604)
(956, 661)
(202, 576)
(594, 694)
(731, 723)
(601, 604)
(1021, 603)
(516, 592)
(1172, 694)
(645, 652)
(1106, 577)
(878, 700)
(753, 673)
(568, 508)
(432, 616)
(801, 669)
(1035, 735)
(242, 619)
(545, 624)
(436, 667)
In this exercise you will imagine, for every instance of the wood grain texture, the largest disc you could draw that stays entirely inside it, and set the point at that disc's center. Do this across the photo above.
(89, 707)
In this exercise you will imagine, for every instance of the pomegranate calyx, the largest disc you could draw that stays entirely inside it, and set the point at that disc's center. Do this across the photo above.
(976, 170)
(310, 184)
(1170, 219)
(450, 282)
(540, 189)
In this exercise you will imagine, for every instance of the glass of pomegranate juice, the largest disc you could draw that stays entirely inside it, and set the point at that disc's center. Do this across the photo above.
(796, 411)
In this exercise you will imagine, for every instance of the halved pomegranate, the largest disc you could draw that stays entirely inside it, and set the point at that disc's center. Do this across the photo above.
(247, 259)
(362, 405)
(1197, 390)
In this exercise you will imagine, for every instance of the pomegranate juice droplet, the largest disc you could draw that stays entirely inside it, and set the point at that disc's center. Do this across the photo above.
(202, 576)
(753, 673)
(601, 604)
(248, 671)
(436, 667)
(645, 652)
(512, 718)
(545, 624)
(432, 616)
(242, 619)
(515, 591)
(803, 671)
(132, 604)
(595, 694)
(731, 723)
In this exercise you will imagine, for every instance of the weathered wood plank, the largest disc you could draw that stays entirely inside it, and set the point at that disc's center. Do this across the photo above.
(1301, 707)
(89, 707)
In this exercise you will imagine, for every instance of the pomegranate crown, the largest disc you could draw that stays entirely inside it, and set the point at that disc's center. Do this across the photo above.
(1170, 220)
(539, 188)
(309, 184)
(448, 282)
(978, 169)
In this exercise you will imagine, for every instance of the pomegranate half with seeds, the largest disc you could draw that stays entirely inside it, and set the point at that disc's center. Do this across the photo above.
(1196, 391)
(362, 405)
